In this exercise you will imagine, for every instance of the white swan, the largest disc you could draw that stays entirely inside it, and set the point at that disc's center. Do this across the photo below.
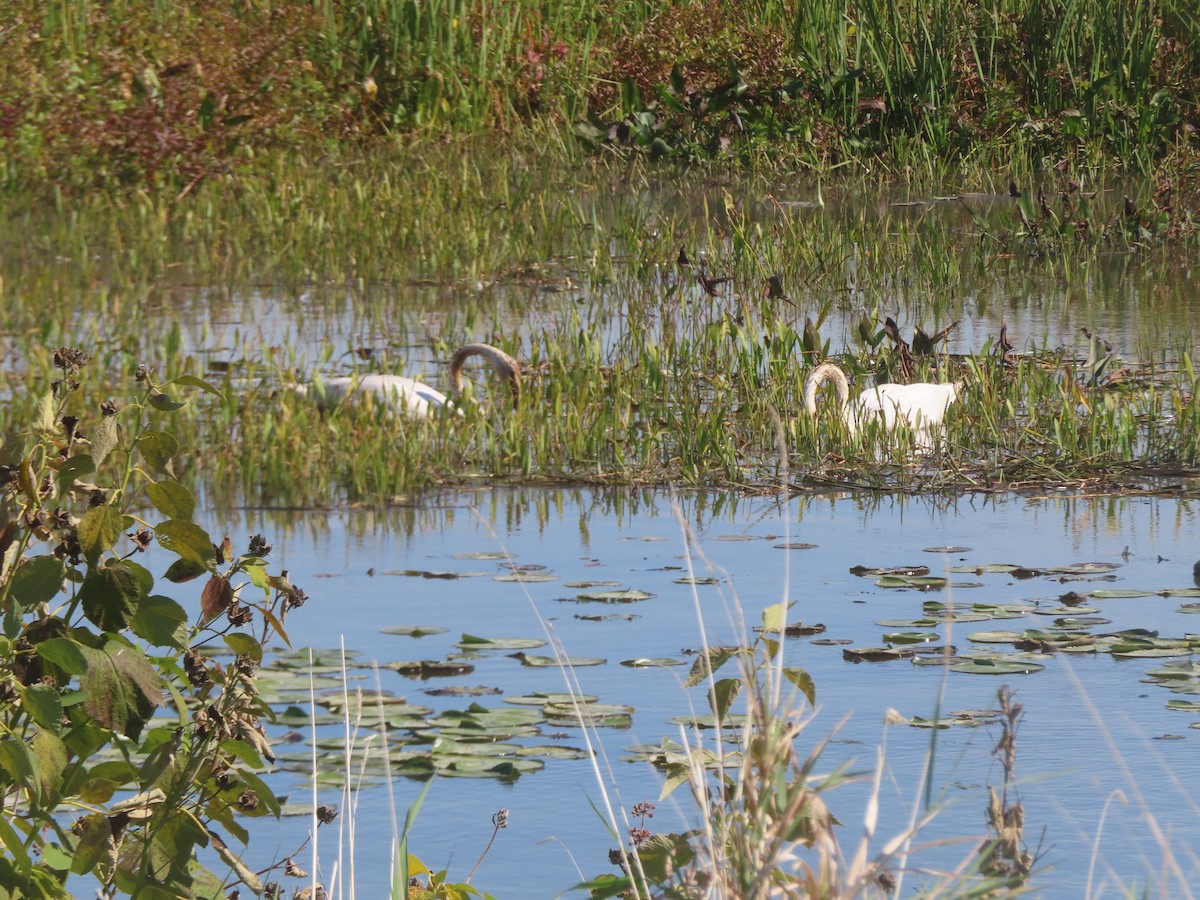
(921, 406)
(409, 396)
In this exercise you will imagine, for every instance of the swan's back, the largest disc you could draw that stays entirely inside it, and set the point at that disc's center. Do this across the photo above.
(406, 395)
(919, 405)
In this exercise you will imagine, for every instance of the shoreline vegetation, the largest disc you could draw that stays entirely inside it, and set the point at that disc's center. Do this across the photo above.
(397, 163)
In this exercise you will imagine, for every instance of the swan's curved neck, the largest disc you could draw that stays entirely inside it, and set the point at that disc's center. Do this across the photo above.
(506, 367)
(821, 374)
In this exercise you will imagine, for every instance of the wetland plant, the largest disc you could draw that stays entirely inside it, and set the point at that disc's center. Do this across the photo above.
(130, 755)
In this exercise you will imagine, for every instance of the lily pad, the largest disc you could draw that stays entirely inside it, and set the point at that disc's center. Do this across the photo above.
(556, 698)
(905, 571)
(874, 654)
(574, 662)
(911, 637)
(526, 577)
(472, 642)
(416, 631)
(920, 582)
(699, 579)
(1119, 595)
(950, 549)
(795, 545)
(629, 595)
(585, 585)
(997, 667)
(485, 555)
(650, 662)
(431, 668)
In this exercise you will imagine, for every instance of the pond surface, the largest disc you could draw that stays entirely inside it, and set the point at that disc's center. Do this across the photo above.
(1094, 730)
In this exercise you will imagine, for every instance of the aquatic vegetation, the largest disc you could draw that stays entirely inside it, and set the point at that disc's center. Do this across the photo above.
(129, 756)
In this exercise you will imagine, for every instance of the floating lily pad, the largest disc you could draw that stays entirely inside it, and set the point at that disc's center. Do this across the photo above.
(795, 545)
(490, 554)
(1119, 595)
(472, 642)
(986, 568)
(734, 537)
(997, 667)
(831, 642)
(649, 662)
(920, 582)
(416, 631)
(1180, 592)
(462, 690)
(1084, 568)
(875, 654)
(908, 623)
(950, 549)
(911, 637)
(905, 571)
(799, 629)
(556, 698)
(585, 585)
(534, 577)
(1081, 621)
(629, 595)
(730, 720)
(574, 662)
(944, 722)
(1184, 705)
(431, 668)
(699, 579)
(1189, 608)
(995, 637)
(426, 573)
(554, 751)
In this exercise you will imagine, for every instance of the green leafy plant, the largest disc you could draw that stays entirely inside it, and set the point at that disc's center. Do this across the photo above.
(127, 753)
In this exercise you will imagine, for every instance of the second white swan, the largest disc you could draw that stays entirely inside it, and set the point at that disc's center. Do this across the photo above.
(922, 407)
(409, 396)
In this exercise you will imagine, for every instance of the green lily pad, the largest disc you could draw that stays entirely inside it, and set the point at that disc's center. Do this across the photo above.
(554, 751)
(875, 654)
(920, 582)
(585, 585)
(908, 623)
(556, 698)
(649, 662)
(1184, 705)
(1181, 592)
(911, 637)
(416, 631)
(995, 637)
(526, 577)
(987, 568)
(574, 662)
(734, 537)
(630, 595)
(795, 545)
(1119, 595)
(997, 667)
(699, 579)
(486, 555)
(1084, 568)
(472, 642)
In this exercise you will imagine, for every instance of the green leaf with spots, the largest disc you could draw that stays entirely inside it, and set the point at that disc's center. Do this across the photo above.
(123, 689)
(99, 530)
(109, 596)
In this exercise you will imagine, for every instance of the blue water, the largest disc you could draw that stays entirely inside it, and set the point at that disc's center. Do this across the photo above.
(1090, 730)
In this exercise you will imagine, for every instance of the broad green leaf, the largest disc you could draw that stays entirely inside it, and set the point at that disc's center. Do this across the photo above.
(172, 499)
(709, 662)
(64, 653)
(104, 439)
(158, 448)
(186, 540)
(50, 755)
(38, 580)
(99, 530)
(723, 693)
(165, 402)
(157, 621)
(109, 596)
(43, 703)
(194, 382)
(72, 470)
(774, 617)
(244, 645)
(123, 688)
(95, 843)
(804, 682)
(17, 760)
(184, 570)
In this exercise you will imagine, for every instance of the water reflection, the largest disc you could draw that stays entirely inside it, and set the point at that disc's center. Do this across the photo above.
(1086, 717)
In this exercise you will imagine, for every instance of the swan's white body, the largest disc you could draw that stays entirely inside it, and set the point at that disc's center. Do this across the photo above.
(407, 395)
(922, 407)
